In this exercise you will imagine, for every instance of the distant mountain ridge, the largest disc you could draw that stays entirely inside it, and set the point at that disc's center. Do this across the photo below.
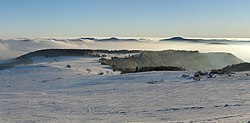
(179, 39)
(209, 41)
(104, 39)
(192, 40)
(116, 39)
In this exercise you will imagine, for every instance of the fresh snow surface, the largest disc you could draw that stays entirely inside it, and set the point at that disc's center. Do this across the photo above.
(47, 91)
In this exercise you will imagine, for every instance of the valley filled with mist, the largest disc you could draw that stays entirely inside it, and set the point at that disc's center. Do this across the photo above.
(11, 48)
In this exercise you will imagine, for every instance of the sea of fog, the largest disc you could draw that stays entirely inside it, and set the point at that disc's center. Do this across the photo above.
(240, 49)
(13, 48)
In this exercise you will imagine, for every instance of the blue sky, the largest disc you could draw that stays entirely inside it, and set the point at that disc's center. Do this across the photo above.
(125, 18)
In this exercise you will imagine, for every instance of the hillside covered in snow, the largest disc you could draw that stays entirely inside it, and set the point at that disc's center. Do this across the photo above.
(49, 91)
(59, 81)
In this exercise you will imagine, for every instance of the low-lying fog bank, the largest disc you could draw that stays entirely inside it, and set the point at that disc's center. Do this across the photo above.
(11, 48)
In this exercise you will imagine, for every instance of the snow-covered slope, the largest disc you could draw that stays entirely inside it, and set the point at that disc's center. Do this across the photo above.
(47, 91)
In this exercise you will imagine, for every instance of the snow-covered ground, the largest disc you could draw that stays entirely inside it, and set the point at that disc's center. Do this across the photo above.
(47, 91)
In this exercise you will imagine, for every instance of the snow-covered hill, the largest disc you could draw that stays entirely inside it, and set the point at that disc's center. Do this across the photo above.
(47, 91)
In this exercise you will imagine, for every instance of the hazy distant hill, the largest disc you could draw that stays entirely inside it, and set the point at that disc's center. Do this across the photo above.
(195, 40)
(105, 39)
(81, 39)
(179, 39)
(116, 39)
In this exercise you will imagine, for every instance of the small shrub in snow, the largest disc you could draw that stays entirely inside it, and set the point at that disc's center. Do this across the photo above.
(185, 75)
(88, 70)
(197, 77)
(68, 66)
(202, 73)
(100, 73)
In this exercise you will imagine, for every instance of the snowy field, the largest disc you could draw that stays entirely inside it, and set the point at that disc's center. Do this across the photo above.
(48, 92)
